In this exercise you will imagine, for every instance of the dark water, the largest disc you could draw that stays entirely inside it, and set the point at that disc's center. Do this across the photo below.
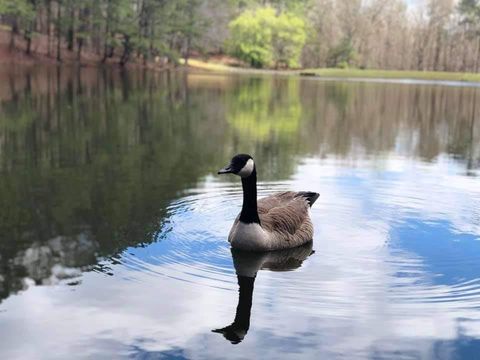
(113, 222)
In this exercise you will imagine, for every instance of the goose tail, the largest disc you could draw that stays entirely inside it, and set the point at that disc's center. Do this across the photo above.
(310, 196)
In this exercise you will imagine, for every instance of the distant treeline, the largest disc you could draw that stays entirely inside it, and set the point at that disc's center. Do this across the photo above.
(439, 35)
(125, 28)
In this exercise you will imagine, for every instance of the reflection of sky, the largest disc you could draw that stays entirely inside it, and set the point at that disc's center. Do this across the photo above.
(452, 257)
(394, 274)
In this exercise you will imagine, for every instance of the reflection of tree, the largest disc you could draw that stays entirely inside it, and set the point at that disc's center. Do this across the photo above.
(463, 146)
(353, 119)
(471, 138)
(100, 155)
(260, 109)
(265, 116)
(95, 161)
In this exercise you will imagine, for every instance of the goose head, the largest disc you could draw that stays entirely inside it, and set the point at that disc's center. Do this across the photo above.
(241, 165)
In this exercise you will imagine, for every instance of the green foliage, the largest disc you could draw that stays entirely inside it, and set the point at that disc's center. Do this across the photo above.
(469, 8)
(129, 28)
(343, 65)
(250, 36)
(288, 37)
(342, 55)
(251, 113)
(272, 35)
(263, 38)
(470, 12)
(20, 9)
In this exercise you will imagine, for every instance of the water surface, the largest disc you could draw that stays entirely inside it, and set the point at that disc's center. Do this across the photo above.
(113, 222)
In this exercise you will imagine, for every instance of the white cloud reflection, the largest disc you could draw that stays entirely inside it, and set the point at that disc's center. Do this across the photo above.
(349, 300)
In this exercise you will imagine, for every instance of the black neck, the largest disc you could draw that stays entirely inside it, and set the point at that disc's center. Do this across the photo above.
(244, 307)
(249, 212)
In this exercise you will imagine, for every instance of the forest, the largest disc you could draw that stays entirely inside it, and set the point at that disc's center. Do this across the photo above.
(434, 35)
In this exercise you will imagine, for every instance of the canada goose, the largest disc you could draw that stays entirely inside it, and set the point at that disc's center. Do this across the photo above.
(247, 265)
(278, 221)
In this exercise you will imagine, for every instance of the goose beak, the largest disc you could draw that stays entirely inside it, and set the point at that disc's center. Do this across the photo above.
(225, 170)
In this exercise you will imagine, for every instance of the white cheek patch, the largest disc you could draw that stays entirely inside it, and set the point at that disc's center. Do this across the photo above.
(247, 169)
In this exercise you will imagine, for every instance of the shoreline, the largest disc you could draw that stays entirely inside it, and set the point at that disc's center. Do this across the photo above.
(18, 57)
(43, 54)
(397, 76)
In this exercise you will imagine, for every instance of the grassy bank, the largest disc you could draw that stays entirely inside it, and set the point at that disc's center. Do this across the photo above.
(345, 73)
(393, 74)
(219, 67)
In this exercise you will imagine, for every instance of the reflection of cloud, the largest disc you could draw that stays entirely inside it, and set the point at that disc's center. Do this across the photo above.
(104, 310)
(358, 294)
(47, 263)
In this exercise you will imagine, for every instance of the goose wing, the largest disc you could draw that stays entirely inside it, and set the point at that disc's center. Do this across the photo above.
(283, 212)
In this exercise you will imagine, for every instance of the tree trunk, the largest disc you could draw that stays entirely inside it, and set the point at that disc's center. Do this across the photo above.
(191, 20)
(71, 29)
(187, 50)
(438, 43)
(84, 19)
(126, 51)
(31, 28)
(49, 28)
(463, 66)
(59, 34)
(28, 37)
(107, 31)
(477, 56)
(79, 49)
(13, 33)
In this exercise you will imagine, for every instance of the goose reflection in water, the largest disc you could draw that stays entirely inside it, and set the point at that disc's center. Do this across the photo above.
(247, 264)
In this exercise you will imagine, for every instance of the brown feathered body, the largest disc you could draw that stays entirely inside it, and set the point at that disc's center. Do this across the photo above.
(284, 223)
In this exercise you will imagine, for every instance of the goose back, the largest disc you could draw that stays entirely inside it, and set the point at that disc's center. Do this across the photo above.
(284, 223)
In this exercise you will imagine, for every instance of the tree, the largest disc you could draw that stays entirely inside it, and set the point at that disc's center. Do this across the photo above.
(29, 28)
(341, 55)
(193, 26)
(19, 13)
(470, 11)
(59, 24)
(288, 39)
(250, 36)
(126, 27)
(440, 35)
(83, 25)
(263, 38)
(470, 18)
(71, 22)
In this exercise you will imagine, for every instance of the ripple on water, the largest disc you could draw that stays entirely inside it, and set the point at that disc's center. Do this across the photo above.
(193, 248)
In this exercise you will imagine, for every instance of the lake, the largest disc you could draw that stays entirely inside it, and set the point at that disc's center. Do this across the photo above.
(114, 223)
